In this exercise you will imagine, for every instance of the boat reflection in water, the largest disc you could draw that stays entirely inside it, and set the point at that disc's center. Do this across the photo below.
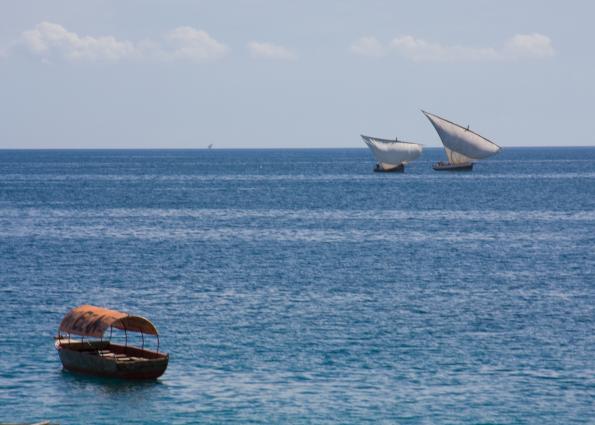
(92, 354)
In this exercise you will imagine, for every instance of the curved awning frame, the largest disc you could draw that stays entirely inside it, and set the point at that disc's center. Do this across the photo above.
(91, 321)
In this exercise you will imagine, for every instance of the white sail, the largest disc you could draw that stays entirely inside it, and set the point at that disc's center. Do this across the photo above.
(461, 144)
(392, 152)
(456, 158)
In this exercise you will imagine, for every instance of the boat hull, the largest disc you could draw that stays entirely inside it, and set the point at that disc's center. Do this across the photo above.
(445, 166)
(134, 364)
(383, 169)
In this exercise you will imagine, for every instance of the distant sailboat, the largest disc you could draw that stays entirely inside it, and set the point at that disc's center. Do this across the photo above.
(392, 155)
(210, 146)
(462, 145)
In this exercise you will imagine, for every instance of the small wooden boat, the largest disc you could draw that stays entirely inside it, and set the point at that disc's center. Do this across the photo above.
(462, 146)
(447, 166)
(94, 355)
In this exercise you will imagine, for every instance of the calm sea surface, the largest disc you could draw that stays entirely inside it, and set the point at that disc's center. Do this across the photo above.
(297, 286)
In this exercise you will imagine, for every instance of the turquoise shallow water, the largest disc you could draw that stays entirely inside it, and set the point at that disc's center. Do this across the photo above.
(296, 286)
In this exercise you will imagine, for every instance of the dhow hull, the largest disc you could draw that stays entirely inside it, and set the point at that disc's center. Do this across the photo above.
(383, 169)
(443, 166)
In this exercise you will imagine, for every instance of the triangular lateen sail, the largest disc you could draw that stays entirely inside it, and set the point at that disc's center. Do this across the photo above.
(461, 144)
(392, 152)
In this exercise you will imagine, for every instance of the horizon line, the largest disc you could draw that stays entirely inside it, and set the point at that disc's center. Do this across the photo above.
(257, 148)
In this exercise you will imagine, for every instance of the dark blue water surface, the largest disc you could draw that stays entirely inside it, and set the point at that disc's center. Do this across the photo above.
(297, 286)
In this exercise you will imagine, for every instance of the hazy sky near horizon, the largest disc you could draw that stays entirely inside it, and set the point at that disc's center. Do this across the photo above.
(264, 73)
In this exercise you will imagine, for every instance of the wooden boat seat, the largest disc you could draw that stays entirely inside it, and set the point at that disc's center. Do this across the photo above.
(107, 353)
(130, 359)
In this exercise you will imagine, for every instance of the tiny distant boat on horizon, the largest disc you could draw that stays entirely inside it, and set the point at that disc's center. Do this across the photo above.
(392, 155)
(101, 357)
(210, 146)
(462, 146)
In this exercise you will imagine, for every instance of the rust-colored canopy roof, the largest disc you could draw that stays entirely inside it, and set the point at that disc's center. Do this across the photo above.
(88, 320)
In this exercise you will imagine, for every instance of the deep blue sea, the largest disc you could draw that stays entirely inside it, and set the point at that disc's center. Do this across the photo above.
(299, 287)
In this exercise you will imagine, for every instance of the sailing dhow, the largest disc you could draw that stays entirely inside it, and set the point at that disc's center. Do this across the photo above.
(392, 155)
(462, 145)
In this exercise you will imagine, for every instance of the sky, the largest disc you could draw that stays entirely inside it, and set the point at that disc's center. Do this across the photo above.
(292, 74)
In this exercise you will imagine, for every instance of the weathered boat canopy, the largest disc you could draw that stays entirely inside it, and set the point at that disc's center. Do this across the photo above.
(88, 320)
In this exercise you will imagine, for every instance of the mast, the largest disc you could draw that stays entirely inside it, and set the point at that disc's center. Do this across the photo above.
(461, 144)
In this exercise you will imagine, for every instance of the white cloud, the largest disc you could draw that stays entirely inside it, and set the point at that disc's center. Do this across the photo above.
(50, 40)
(195, 45)
(271, 51)
(520, 46)
(368, 46)
(530, 45)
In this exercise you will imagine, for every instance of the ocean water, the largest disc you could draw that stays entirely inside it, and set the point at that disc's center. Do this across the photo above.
(297, 286)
